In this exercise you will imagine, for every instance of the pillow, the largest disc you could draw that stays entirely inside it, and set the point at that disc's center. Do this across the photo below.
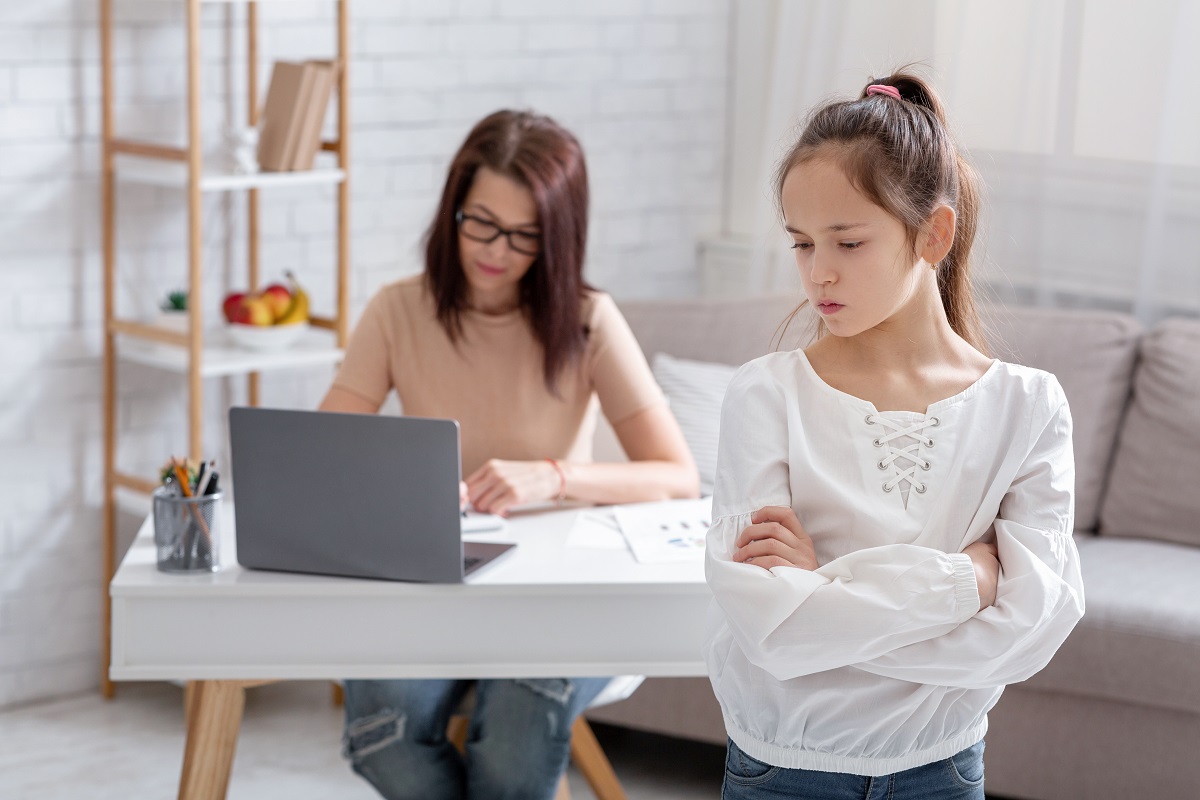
(695, 390)
(1152, 487)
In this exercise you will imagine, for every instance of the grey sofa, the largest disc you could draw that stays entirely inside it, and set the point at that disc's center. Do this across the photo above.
(1116, 714)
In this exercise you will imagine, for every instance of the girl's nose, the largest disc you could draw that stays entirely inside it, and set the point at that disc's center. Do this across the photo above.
(821, 272)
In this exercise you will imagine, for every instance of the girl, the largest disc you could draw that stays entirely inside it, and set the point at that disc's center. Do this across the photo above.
(502, 334)
(893, 510)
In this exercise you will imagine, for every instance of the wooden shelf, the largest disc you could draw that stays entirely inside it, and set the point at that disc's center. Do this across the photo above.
(174, 175)
(137, 161)
(221, 357)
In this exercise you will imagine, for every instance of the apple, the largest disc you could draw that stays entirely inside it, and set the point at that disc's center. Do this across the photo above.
(253, 311)
(277, 298)
(231, 303)
(260, 311)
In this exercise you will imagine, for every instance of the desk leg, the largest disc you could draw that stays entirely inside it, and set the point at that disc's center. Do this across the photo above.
(214, 717)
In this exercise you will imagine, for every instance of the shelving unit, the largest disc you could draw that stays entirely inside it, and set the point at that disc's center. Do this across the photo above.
(199, 353)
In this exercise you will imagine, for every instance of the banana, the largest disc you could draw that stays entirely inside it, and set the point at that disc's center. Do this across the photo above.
(298, 310)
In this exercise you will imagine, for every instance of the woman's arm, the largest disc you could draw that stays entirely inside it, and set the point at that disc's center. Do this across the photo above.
(660, 465)
(339, 400)
(660, 468)
(364, 378)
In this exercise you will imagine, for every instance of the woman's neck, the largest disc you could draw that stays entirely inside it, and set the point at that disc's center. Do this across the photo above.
(493, 303)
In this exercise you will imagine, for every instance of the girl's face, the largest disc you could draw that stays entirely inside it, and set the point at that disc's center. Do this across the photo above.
(494, 269)
(854, 258)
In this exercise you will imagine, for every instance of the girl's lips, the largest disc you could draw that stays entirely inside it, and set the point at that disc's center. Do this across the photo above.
(488, 269)
(829, 308)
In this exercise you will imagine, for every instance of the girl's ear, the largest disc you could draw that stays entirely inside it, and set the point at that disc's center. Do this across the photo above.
(939, 234)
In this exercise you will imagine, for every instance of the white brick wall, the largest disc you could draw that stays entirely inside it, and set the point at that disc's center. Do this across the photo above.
(641, 82)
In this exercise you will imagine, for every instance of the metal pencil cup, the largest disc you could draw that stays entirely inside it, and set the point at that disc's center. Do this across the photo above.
(185, 532)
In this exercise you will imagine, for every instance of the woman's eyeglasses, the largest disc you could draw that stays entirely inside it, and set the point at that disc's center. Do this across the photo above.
(481, 230)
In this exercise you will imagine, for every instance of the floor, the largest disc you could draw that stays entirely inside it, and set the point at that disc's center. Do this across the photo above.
(132, 747)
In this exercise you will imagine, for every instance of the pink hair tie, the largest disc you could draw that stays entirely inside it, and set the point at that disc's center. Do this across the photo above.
(879, 88)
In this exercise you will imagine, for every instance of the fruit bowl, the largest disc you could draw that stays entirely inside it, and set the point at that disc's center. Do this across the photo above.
(266, 337)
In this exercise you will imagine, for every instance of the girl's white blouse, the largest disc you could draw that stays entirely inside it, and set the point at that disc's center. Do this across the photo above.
(880, 660)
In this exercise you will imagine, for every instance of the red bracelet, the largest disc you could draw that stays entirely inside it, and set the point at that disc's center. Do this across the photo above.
(562, 480)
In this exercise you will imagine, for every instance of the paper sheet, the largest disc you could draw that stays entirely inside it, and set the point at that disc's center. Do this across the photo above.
(666, 532)
(596, 529)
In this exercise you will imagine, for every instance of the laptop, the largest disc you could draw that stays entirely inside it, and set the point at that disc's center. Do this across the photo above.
(357, 495)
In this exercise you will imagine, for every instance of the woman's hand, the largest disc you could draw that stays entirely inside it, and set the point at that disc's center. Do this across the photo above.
(498, 485)
(775, 538)
(986, 560)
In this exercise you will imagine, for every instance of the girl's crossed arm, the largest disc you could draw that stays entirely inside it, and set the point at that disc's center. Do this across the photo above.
(776, 538)
(1039, 598)
(794, 622)
(904, 605)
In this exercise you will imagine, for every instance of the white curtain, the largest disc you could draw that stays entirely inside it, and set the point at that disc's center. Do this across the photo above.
(1082, 117)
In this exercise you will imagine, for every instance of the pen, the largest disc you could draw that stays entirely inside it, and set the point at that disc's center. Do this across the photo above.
(213, 478)
(200, 475)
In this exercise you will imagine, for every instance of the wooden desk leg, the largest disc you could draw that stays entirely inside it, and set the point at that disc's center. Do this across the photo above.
(214, 719)
(589, 759)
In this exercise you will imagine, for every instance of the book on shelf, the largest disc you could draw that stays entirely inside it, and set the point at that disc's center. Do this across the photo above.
(321, 88)
(293, 115)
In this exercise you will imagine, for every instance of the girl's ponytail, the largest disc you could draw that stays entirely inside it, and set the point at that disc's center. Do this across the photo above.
(954, 271)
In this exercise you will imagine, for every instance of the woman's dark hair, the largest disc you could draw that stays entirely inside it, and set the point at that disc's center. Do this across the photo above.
(900, 155)
(541, 155)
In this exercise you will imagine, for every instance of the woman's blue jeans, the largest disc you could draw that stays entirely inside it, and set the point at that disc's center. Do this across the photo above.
(518, 741)
(959, 777)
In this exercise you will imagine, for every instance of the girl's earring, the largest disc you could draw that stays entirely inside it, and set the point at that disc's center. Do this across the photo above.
(934, 266)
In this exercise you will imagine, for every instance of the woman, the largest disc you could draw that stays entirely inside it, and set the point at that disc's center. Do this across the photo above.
(502, 334)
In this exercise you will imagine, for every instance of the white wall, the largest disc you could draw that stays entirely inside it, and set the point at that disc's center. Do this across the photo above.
(642, 82)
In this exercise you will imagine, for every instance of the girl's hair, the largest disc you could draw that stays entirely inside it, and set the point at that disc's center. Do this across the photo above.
(900, 155)
(544, 157)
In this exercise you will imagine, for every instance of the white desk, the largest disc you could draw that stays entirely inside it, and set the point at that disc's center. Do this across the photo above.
(547, 610)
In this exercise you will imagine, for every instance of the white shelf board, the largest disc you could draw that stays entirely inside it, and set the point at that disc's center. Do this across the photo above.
(173, 174)
(221, 357)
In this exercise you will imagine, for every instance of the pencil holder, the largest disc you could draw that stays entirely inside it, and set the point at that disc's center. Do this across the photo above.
(185, 532)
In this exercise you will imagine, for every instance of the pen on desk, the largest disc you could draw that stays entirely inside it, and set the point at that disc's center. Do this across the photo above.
(198, 489)
(213, 478)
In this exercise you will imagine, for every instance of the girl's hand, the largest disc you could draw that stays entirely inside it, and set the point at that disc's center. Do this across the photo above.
(499, 485)
(775, 538)
(464, 496)
(986, 560)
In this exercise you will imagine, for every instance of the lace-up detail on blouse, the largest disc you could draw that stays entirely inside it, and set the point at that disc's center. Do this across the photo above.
(900, 453)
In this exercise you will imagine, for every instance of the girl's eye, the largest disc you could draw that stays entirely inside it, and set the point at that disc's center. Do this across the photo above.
(851, 245)
(801, 245)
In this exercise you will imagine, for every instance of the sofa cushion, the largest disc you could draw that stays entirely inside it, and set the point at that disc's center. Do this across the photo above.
(1152, 492)
(1139, 640)
(696, 390)
(1092, 353)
